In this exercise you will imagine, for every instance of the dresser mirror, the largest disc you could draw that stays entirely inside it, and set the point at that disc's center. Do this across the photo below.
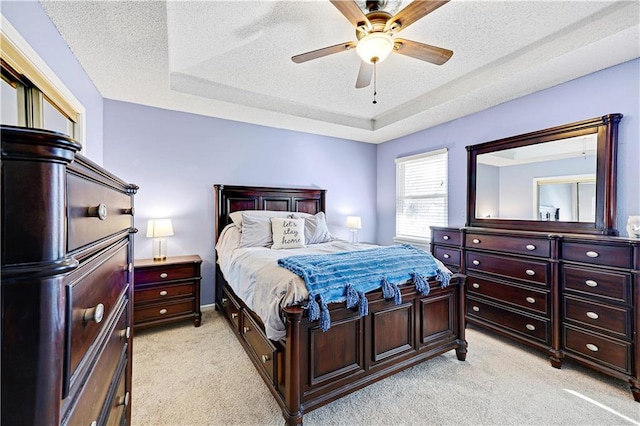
(561, 179)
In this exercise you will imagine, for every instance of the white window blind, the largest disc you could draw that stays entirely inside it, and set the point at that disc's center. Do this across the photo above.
(421, 195)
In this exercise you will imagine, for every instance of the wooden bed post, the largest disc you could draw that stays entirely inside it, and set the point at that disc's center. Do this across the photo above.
(461, 350)
(293, 413)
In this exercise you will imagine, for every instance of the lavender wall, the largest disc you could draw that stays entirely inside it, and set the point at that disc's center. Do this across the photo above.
(613, 90)
(176, 158)
(29, 19)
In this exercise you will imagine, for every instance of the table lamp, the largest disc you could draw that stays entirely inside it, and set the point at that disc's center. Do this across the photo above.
(354, 223)
(158, 229)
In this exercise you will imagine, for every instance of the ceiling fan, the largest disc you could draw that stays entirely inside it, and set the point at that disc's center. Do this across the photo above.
(375, 33)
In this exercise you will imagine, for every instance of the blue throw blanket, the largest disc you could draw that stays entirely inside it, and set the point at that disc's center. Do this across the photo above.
(347, 276)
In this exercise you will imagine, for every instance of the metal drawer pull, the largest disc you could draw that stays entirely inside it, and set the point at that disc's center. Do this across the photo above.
(99, 211)
(476, 262)
(94, 423)
(163, 293)
(592, 347)
(265, 359)
(130, 267)
(592, 254)
(475, 308)
(124, 400)
(593, 315)
(224, 300)
(234, 315)
(164, 275)
(126, 333)
(131, 211)
(447, 256)
(591, 283)
(475, 285)
(445, 237)
(530, 300)
(245, 330)
(476, 241)
(94, 314)
(530, 247)
(163, 311)
(530, 272)
(530, 327)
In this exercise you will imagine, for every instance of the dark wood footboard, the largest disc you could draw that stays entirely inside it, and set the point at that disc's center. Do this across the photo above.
(305, 371)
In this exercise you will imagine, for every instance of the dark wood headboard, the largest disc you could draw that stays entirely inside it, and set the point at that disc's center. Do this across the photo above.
(229, 198)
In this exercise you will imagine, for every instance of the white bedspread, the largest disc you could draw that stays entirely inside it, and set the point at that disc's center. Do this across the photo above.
(254, 275)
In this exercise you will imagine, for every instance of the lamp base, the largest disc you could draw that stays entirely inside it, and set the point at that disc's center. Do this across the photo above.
(159, 249)
(354, 235)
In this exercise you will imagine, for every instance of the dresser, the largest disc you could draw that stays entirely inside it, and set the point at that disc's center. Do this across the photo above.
(67, 275)
(576, 297)
(446, 246)
(167, 291)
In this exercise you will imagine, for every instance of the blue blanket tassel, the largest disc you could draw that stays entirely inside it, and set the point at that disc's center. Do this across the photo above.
(314, 309)
(421, 284)
(325, 318)
(352, 296)
(391, 291)
(443, 277)
(364, 304)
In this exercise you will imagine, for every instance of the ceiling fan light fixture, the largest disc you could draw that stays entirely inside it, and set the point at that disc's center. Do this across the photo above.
(374, 47)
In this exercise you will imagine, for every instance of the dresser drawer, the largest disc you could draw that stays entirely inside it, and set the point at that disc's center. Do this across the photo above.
(524, 325)
(448, 256)
(92, 295)
(591, 282)
(609, 352)
(162, 292)
(509, 267)
(534, 300)
(89, 404)
(446, 236)
(598, 254)
(95, 211)
(519, 245)
(165, 273)
(162, 311)
(260, 345)
(120, 401)
(610, 319)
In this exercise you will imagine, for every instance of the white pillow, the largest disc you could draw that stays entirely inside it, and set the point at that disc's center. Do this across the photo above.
(256, 231)
(236, 217)
(287, 233)
(315, 228)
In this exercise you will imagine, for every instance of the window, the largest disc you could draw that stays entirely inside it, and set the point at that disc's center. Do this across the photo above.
(421, 195)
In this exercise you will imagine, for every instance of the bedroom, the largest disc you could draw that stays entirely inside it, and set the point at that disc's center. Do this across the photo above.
(163, 152)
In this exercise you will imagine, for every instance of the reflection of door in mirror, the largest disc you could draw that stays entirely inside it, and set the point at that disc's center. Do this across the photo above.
(503, 181)
(565, 198)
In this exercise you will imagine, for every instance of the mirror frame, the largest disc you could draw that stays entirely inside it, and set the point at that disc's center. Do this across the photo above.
(606, 128)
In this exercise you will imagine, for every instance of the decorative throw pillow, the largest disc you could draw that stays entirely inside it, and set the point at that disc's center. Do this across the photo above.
(287, 233)
(236, 217)
(256, 231)
(316, 229)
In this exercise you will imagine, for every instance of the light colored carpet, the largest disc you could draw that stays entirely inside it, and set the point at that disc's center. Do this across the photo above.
(184, 375)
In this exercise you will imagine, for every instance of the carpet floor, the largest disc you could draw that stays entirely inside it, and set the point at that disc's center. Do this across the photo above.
(184, 375)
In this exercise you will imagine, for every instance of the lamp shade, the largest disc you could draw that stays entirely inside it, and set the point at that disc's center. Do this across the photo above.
(159, 228)
(354, 222)
(374, 47)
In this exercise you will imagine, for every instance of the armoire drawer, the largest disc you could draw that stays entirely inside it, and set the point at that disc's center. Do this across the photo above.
(531, 246)
(609, 319)
(598, 254)
(527, 298)
(616, 286)
(613, 353)
(260, 345)
(510, 267)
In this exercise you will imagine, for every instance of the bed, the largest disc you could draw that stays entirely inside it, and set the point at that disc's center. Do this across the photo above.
(306, 367)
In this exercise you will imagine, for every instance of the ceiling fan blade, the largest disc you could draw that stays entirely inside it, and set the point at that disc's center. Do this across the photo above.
(364, 75)
(315, 54)
(351, 11)
(414, 11)
(424, 52)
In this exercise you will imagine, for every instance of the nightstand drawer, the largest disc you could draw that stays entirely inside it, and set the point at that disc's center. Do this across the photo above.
(162, 311)
(612, 353)
(162, 292)
(164, 273)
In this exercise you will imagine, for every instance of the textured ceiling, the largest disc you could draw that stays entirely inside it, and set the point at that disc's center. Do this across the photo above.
(232, 59)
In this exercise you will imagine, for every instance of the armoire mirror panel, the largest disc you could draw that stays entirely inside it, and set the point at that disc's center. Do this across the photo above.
(561, 179)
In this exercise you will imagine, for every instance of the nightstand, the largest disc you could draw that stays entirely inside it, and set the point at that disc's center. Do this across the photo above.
(166, 291)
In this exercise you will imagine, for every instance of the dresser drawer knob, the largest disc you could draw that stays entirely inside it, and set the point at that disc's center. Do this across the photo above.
(163, 293)
(447, 256)
(99, 211)
(94, 423)
(124, 400)
(530, 247)
(530, 327)
(131, 211)
(476, 262)
(475, 285)
(475, 241)
(265, 359)
(163, 311)
(94, 314)
(592, 347)
(445, 237)
(530, 299)
(126, 333)
(245, 330)
(592, 254)
(593, 315)
(224, 300)
(234, 315)
(475, 308)
(164, 275)
(530, 272)
(591, 283)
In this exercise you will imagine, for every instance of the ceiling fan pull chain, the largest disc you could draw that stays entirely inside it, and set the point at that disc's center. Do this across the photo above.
(375, 79)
